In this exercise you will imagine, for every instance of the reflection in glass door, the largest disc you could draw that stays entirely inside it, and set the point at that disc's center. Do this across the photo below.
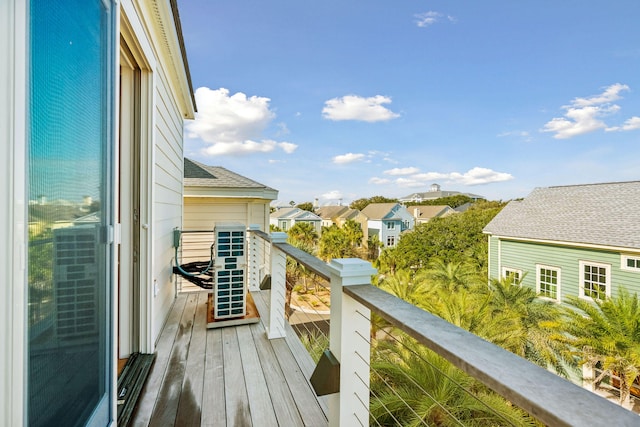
(69, 166)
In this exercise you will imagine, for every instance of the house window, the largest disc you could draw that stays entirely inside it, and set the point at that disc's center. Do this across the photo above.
(513, 274)
(391, 225)
(283, 225)
(548, 282)
(595, 281)
(630, 262)
(391, 241)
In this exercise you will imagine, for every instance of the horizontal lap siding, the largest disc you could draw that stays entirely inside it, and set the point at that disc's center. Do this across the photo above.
(524, 256)
(167, 201)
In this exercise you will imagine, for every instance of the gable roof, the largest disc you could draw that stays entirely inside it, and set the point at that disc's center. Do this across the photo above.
(379, 210)
(294, 213)
(330, 212)
(204, 180)
(595, 214)
(430, 211)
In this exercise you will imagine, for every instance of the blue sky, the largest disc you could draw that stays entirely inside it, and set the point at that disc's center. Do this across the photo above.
(343, 99)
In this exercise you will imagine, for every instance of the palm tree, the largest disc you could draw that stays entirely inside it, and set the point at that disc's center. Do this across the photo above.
(413, 386)
(404, 285)
(607, 332)
(334, 243)
(304, 233)
(539, 322)
(450, 276)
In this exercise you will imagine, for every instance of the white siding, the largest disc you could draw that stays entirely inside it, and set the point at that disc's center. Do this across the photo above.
(167, 196)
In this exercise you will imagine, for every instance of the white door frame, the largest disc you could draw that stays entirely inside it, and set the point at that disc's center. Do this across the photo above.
(139, 56)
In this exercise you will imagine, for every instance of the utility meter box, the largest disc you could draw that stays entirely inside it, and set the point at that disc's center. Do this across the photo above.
(230, 276)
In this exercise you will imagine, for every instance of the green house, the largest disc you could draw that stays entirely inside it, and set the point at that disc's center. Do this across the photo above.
(578, 240)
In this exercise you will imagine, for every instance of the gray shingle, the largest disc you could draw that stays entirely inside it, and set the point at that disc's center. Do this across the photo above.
(197, 174)
(605, 214)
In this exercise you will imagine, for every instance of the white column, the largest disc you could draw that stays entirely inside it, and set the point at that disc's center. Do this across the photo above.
(254, 259)
(278, 287)
(350, 343)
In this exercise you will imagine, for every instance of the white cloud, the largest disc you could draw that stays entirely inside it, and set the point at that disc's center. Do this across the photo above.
(631, 124)
(610, 94)
(349, 158)
(332, 195)
(353, 107)
(379, 181)
(402, 171)
(234, 124)
(426, 19)
(524, 135)
(248, 147)
(584, 115)
(474, 176)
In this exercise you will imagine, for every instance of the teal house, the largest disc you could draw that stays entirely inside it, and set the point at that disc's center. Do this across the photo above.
(578, 240)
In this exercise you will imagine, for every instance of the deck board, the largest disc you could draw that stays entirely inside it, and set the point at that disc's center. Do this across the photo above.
(213, 402)
(262, 412)
(231, 376)
(190, 404)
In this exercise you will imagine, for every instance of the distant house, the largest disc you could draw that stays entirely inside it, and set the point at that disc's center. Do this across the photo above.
(387, 221)
(580, 240)
(285, 218)
(435, 192)
(330, 214)
(213, 194)
(423, 214)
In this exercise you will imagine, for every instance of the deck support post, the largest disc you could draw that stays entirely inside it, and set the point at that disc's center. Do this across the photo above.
(350, 343)
(255, 257)
(278, 287)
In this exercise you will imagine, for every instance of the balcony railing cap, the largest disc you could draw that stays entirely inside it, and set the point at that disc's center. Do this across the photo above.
(352, 270)
(279, 237)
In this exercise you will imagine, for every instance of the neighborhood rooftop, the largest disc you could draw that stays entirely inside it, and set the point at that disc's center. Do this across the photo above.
(605, 214)
(197, 174)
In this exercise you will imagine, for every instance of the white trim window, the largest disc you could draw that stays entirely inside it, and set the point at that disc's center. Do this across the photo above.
(512, 273)
(630, 262)
(595, 280)
(391, 225)
(391, 241)
(548, 282)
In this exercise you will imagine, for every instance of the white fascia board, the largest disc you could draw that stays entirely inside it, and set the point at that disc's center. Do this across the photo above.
(564, 243)
(232, 193)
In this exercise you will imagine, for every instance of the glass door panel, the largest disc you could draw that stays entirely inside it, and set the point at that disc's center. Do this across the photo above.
(69, 168)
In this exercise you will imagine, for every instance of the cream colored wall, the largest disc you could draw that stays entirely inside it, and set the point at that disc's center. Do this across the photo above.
(202, 213)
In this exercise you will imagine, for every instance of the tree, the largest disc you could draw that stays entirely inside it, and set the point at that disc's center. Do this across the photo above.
(353, 231)
(334, 243)
(306, 206)
(452, 238)
(539, 323)
(607, 333)
(360, 204)
(450, 276)
(303, 232)
(413, 386)
(404, 285)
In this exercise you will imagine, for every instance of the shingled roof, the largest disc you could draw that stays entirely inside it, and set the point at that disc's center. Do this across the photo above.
(202, 177)
(605, 214)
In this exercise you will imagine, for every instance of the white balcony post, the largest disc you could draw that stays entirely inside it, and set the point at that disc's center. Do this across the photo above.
(255, 259)
(350, 344)
(278, 287)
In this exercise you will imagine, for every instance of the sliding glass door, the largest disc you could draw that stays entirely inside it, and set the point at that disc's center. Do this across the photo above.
(70, 203)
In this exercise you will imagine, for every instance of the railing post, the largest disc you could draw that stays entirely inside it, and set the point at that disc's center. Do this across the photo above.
(278, 287)
(350, 343)
(255, 258)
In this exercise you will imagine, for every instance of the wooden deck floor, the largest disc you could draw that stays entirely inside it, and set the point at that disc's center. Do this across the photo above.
(232, 376)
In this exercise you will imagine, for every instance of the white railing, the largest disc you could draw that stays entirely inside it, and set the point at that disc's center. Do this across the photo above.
(552, 400)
